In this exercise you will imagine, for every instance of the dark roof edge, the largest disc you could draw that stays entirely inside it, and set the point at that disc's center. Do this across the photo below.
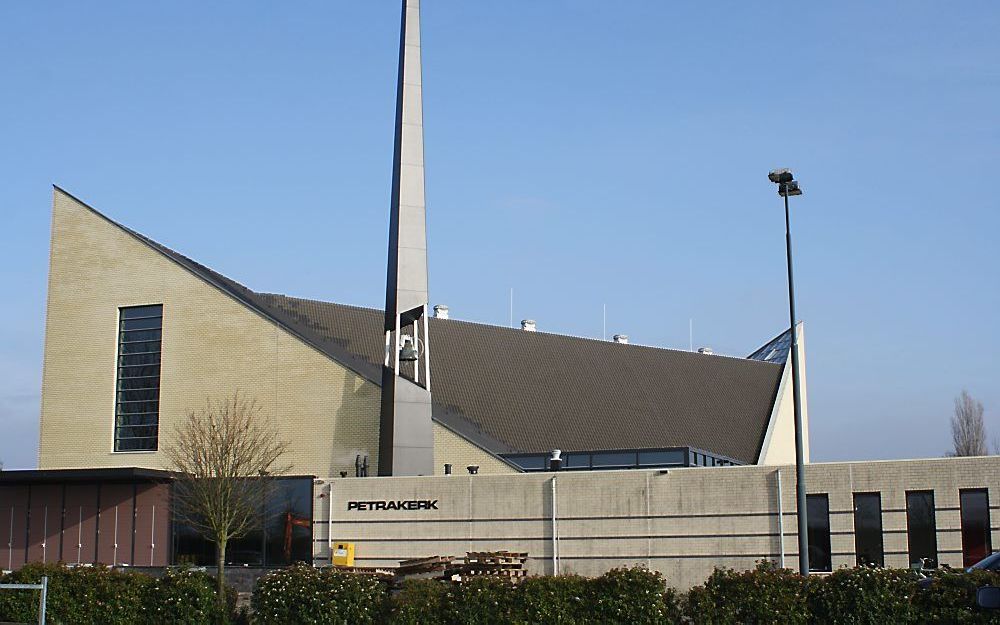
(342, 359)
(79, 475)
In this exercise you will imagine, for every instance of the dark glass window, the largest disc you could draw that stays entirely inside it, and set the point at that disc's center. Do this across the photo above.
(868, 529)
(530, 463)
(281, 536)
(614, 459)
(976, 542)
(577, 461)
(655, 458)
(818, 517)
(137, 400)
(921, 528)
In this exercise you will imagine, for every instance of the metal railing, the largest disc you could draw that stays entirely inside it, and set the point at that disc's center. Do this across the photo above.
(43, 587)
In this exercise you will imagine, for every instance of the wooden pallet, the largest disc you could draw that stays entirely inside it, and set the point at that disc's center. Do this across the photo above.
(494, 563)
(432, 564)
(368, 570)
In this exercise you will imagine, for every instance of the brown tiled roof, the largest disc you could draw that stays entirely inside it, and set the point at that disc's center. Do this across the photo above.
(515, 391)
(534, 392)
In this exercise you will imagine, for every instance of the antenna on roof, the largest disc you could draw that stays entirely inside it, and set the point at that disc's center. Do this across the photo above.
(604, 332)
(510, 320)
(691, 334)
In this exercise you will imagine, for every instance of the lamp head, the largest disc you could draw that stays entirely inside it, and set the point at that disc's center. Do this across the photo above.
(788, 189)
(781, 176)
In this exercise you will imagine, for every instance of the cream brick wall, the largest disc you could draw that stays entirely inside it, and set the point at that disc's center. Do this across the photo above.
(682, 522)
(460, 453)
(212, 347)
(779, 444)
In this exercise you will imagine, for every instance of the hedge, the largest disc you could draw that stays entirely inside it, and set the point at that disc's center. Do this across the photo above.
(101, 596)
(303, 595)
(309, 596)
(626, 595)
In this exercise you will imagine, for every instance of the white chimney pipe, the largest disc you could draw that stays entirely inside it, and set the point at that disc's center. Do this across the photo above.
(705, 350)
(440, 311)
(621, 338)
(528, 325)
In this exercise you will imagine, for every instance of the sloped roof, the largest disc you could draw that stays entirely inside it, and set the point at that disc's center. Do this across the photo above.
(534, 392)
(515, 391)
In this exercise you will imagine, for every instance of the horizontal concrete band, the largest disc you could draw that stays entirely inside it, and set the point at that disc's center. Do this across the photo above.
(687, 556)
(707, 515)
(700, 515)
(548, 538)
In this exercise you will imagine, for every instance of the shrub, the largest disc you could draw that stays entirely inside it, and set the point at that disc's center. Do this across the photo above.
(101, 596)
(302, 595)
(562, 599)
(629, 595)
(421, 602)
(951, 598)
(862, 596)
(78, 596)
(765, 595)
(482, 601)
(186, 597)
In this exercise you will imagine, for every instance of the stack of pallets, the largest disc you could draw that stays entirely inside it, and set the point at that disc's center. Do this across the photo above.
(380, 571)
(433, 567)
(495, 563)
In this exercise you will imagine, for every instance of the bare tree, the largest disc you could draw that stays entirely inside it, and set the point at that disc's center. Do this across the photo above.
(968, 433)
(223, 453)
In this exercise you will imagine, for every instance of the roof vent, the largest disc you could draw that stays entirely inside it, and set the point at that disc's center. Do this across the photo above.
(528, 325)
(621, 338)
(440, 311)
(705, 350)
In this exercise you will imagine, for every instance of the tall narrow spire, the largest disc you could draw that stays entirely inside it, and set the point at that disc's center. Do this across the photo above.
(406, 437)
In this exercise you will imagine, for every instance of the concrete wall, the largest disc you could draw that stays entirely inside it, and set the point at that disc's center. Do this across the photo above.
(212, 346)
(684, 522)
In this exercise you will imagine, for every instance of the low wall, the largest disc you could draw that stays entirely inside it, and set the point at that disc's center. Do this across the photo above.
(682, 522)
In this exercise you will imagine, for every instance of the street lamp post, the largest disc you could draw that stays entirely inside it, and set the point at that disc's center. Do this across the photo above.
(787, 185)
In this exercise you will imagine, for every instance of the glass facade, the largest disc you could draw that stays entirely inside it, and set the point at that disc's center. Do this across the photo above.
(818, 518)
(921, 528)
(868, 529)
(976, 540)
(283, 534)
(624, 459)
(137, 401)
(776, 351)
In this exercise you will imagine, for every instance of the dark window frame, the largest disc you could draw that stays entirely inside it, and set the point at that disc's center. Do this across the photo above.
(860, 551)
(914, 550)
(148, 396)
(969, 557)
(819, 534)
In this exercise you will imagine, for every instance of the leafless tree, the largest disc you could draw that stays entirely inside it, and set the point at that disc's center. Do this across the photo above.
(223, 454)
(968, 433)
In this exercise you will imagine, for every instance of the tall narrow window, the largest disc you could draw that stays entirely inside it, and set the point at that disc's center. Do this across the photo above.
(818, 515)
(868, 529)
(976, 543)
(921, 528)
(137, 405)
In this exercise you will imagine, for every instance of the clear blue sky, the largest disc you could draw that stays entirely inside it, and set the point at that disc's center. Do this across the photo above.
(581, 153)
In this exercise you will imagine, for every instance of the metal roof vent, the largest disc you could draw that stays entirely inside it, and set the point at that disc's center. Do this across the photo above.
(705, 350)
(621, 338)
(440, 311)
(528, 325)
